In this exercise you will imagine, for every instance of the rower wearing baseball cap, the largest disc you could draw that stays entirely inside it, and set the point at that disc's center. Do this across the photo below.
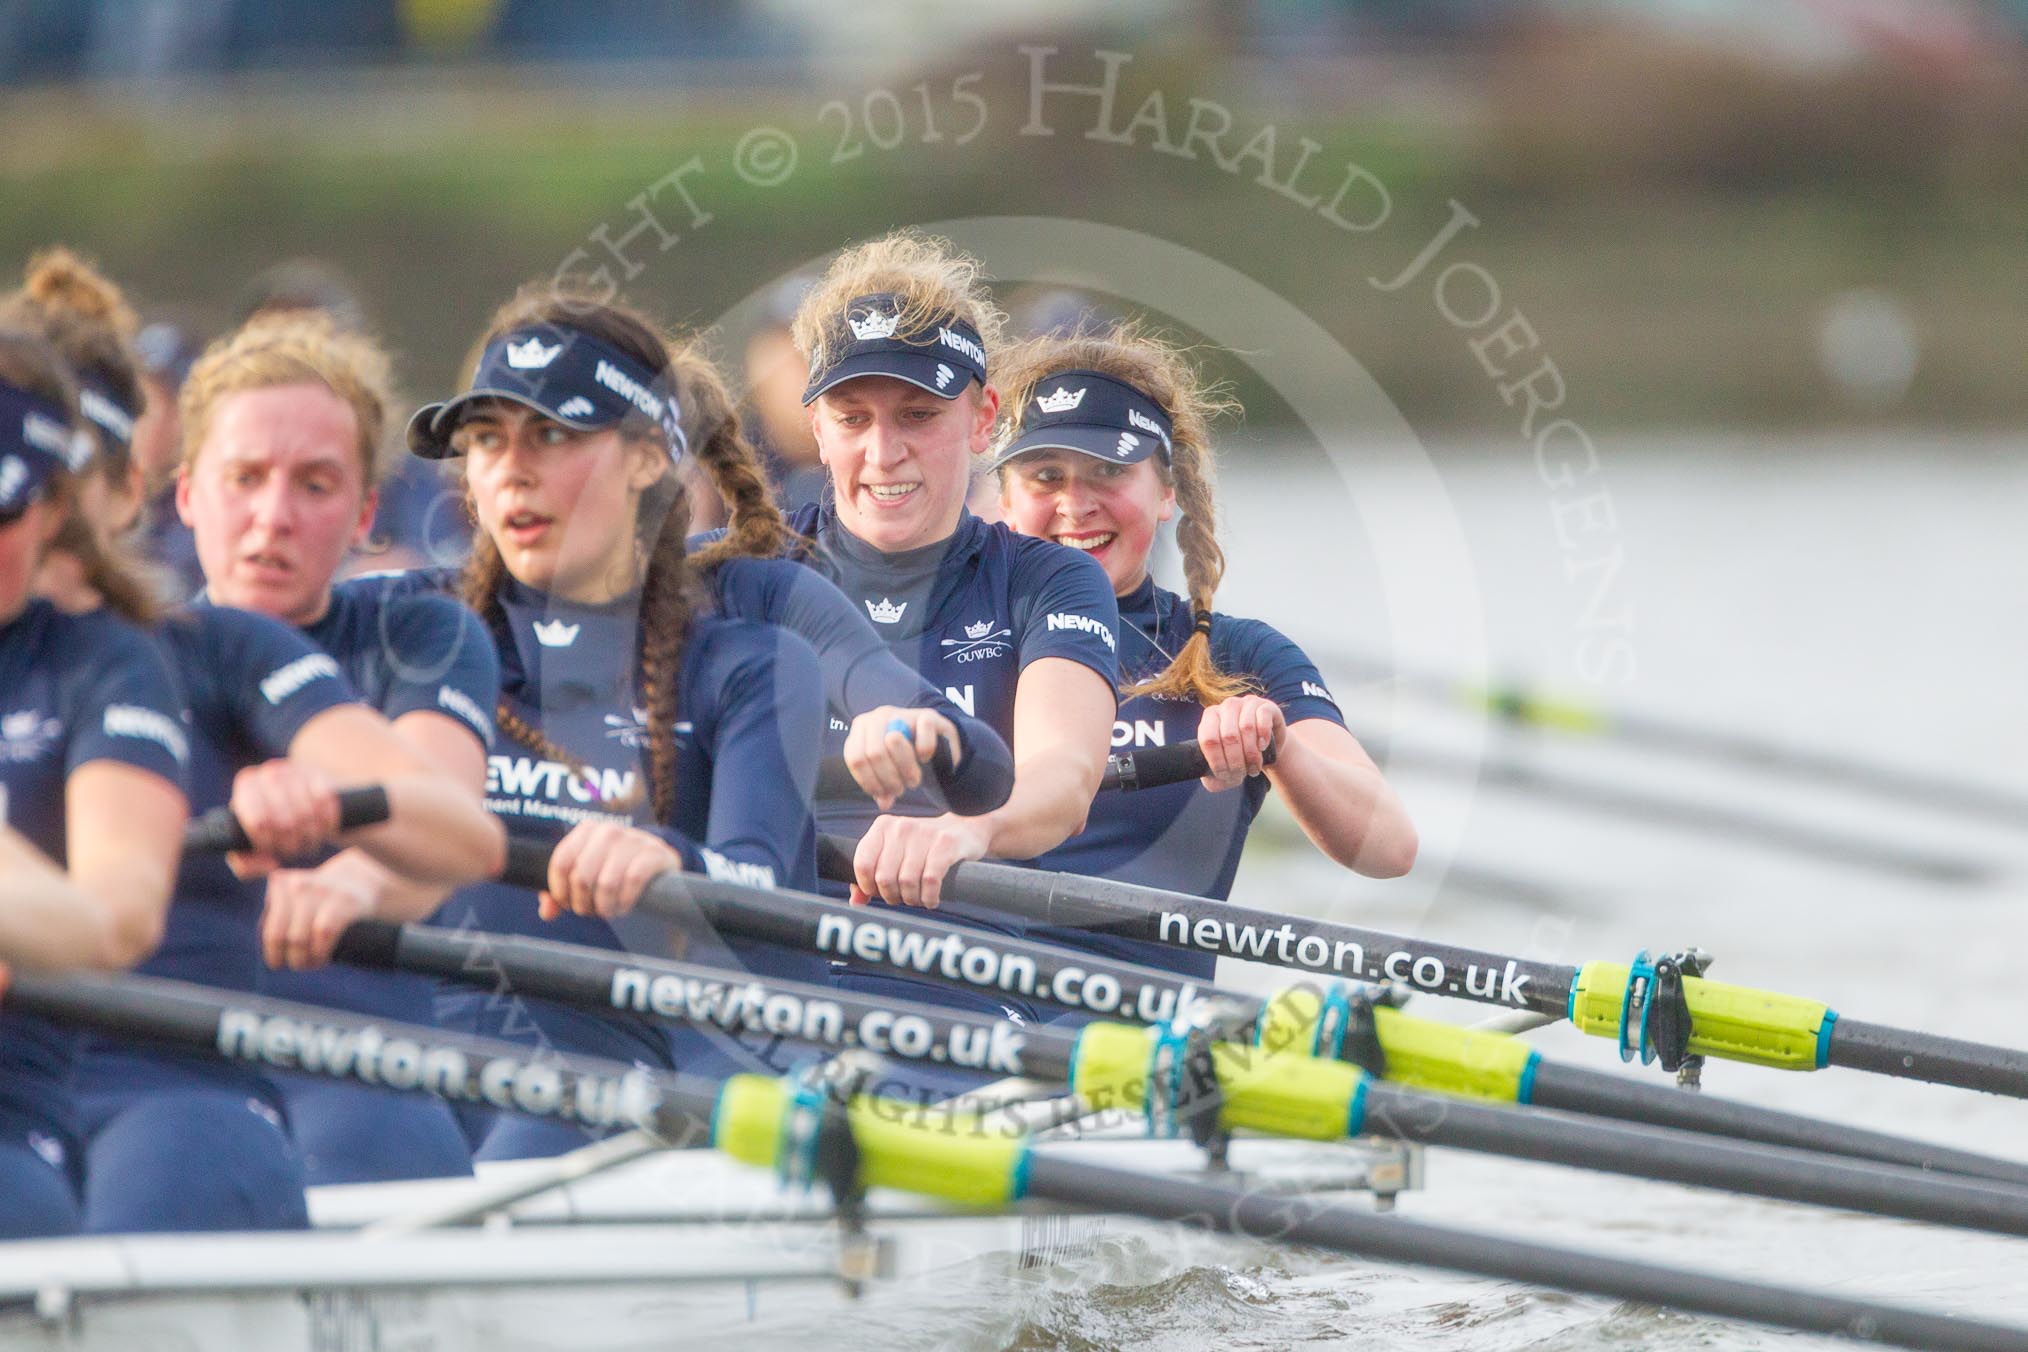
(1107, 437)
(642, 733)
(1020, 633)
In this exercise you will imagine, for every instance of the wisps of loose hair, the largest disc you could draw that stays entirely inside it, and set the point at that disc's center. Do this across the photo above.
(292, 348)
(930, 279)
(1132, 353)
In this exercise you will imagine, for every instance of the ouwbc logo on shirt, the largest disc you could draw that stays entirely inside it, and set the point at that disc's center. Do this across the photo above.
(26, 734)
(981, 641)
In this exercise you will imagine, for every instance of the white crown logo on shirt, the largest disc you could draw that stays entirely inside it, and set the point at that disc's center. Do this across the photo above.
(885, 611)
(530, 353)
(1063, 401)
(876, 324)
(555, 634)
(979, 630)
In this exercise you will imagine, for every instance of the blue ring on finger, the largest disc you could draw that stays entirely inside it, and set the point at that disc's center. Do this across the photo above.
(899, 725)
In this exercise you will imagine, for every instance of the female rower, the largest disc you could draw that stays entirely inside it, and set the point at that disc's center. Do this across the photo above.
(892, 719)
(256, 689)
(648, 735)
(92, 764)
(283, 447)
(898, 332)
(1107, 437)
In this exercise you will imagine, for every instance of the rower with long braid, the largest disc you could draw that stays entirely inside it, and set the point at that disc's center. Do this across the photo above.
(1107, 436)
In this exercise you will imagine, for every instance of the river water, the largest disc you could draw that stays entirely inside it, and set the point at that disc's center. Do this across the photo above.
(1862, 594)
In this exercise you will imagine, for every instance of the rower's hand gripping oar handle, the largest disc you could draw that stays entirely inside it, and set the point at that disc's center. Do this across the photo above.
(219, 832)
(1152, 767)
(834, 777)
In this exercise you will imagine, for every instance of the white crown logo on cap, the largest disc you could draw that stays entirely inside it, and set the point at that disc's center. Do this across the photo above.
(530, 354)
(876, 324)
(1063, 401)
(885, 611)
(555, 634)
(577, 406)
(1126, 444)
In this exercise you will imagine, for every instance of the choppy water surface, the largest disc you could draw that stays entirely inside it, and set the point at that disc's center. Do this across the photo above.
(1869, 596)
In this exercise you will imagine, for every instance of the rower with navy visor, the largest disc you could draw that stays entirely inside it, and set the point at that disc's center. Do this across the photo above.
(1018, 632)
(1112, 439)
(647, 735)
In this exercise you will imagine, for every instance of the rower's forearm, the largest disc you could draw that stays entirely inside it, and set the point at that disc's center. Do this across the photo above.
(437, 832)
(1346, 809)
(398, 900)
(1050, 802)
(46, 920)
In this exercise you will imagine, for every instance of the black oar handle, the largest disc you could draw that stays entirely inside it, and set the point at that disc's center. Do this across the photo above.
(527, 862)
(1151, 767)
(834, 777)
(219, 832)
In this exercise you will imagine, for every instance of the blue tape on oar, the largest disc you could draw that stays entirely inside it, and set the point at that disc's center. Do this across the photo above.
(1633, 1037)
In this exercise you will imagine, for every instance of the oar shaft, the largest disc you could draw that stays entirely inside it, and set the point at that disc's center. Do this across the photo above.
(1926, 1056)
(1321, 948)
(1669, 1156)
(636, 986)
(1579, 1089)
(1392, 1239)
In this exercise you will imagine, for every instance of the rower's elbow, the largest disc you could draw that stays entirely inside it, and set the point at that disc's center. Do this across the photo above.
(129, 936)
(491, 854)
(1387, 854)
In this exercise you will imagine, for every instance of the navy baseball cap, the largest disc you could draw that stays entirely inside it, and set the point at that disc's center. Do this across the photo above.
(36, 440)
(565, 375)
(942, 356)
(1094, 415)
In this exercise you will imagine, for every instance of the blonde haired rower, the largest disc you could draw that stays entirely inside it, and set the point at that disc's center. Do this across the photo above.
(285, 428)
(1107, 437)
(899, 333)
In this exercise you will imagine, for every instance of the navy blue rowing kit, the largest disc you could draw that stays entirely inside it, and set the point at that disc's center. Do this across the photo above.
(749, 719)
(969, 613)
(1181, 836)
(405, 653)
(253, 684)
(861, 672)
(73, 689)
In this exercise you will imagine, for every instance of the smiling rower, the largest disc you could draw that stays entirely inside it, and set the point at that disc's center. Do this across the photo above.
(898, 334)
(1108, 437)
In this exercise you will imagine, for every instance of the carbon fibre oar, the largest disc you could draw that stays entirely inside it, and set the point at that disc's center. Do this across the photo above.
(1266, 1088)
(1417, 1052)
(1630, 1002)
(1523, 706)
(218, 831)
(796, 1129)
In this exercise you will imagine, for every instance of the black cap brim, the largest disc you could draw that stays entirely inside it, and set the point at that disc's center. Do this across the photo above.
(429, 431)
(1100, 443)
(919, 369)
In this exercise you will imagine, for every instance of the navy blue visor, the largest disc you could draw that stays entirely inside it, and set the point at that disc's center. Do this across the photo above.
(943, 356)
(1093, 415)
(565, 375)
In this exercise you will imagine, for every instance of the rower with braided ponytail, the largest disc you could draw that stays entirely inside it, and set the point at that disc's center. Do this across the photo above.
(642, 730)
(1107, 435)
